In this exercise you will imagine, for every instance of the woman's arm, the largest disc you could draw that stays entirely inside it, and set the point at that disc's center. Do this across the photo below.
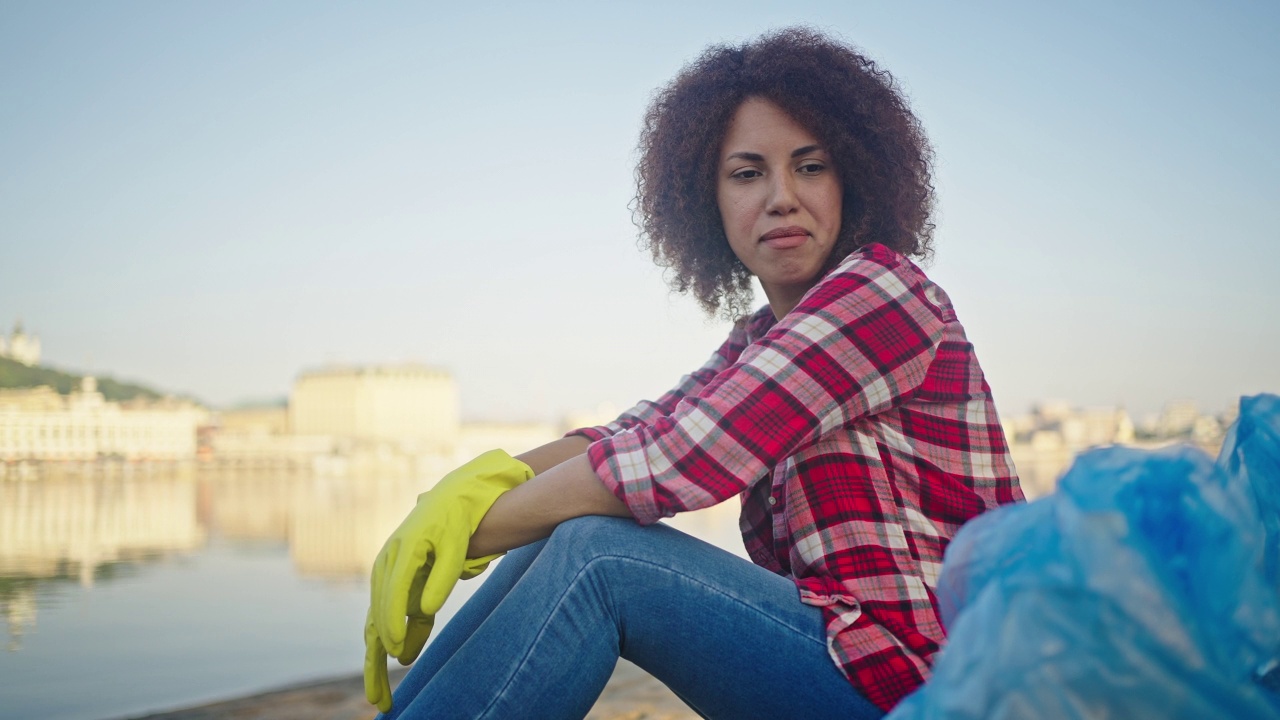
(531, 511)
(861, 341)
(574, 489)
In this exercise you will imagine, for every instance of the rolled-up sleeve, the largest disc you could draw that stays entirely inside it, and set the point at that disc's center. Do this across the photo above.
(860, 341)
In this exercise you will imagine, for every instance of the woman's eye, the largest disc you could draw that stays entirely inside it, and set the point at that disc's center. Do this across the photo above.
(746, 174)
(812, 168)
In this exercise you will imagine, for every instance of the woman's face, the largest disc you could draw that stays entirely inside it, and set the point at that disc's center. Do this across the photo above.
(779, 196)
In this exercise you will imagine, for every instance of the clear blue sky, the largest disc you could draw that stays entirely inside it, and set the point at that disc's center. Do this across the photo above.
(210, 197)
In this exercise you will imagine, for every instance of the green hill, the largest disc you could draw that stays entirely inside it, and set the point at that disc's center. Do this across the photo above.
(14, 374)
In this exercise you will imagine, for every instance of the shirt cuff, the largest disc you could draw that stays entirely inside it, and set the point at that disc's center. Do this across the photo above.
(598, 432)
(636, 492)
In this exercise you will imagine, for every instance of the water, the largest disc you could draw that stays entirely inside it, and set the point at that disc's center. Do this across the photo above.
(126, 591)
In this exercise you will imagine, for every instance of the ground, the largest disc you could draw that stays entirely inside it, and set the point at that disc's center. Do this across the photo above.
(631, 694)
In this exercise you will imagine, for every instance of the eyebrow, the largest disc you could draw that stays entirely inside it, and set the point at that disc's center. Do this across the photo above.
(757, 157)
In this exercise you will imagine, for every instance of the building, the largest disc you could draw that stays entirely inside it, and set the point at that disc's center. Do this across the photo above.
(413, 406)
(377, 420)
(40, 424)
(1093, 427)
(267, 420)
(1044, 443)
(1177, 419)
(21, 347)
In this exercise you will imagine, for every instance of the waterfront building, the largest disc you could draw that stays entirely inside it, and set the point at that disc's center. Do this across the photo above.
(1044, 443)
(1092, 427)
(40, 424)
(260, 436)
(385, 421)
(269, 420)
(406, 405)
(1177, 419)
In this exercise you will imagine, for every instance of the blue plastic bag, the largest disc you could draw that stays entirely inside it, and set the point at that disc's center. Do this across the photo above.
(1147, 586)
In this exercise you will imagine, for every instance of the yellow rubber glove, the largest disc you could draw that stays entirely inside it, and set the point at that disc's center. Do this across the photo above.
(424, 558)
(377, 686)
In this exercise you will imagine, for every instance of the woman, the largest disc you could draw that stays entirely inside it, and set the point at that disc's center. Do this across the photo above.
(849, 415)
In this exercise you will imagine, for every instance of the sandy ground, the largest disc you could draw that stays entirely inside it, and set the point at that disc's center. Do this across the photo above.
(632, 694)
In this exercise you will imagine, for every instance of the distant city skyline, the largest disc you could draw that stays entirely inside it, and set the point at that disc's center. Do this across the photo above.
(1178, 404)
(212, 198)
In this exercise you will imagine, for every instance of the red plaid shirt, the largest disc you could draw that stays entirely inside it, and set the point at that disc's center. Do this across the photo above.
(860, 434)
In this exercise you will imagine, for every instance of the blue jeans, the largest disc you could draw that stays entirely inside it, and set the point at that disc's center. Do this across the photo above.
(541, 637)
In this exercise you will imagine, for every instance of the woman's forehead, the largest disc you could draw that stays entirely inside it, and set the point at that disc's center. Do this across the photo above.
(759, 126)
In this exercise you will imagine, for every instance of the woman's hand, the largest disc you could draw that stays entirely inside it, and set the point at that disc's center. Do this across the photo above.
(423, 559)
(469, 514)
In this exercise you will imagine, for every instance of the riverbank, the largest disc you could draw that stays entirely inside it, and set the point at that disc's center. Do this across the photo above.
(631, 694)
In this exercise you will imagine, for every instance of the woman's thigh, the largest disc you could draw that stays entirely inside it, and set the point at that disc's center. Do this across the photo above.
(729, 637)
(732, 639)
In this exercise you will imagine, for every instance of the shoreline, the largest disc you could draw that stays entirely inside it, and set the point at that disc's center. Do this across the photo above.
(630, 694)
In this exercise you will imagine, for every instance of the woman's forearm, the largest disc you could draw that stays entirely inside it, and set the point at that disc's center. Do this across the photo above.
(531, 511)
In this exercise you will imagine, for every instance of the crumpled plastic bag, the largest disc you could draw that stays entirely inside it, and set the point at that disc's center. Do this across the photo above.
(1146, 586)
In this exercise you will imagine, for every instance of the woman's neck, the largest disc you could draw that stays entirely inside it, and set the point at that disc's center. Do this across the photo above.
(784, 300)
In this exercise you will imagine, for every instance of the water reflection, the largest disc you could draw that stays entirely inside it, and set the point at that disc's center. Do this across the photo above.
(51, 527)
(334, 524)
(86, 530)
(96, 523)
(18, 606)
(337, 526)
(209, 580)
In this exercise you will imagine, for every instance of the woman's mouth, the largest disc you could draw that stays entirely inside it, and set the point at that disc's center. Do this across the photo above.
(783, 238)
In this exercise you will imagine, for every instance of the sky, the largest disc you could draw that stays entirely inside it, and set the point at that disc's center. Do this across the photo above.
(213, 197)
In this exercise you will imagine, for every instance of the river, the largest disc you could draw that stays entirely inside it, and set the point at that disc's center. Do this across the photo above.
(128, 589)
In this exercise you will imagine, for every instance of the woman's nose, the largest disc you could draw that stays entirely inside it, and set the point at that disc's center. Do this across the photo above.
(782, 195)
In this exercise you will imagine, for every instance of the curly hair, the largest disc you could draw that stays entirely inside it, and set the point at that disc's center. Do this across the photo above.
(852, 106)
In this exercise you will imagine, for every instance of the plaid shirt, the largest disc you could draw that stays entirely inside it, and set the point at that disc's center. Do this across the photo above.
(860, 434)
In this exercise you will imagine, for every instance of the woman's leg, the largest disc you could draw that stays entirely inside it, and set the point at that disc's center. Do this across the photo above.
(729, 637)
(469, 617)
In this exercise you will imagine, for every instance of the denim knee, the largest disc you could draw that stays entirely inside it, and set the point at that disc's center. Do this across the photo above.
(592, 531)
(579, 541)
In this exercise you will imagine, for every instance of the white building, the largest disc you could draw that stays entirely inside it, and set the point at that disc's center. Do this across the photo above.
(1177, 419)
(1044, 443)
(1092, 427)
(40, 424)
(410, 405)
(21, 347)
(261, 434)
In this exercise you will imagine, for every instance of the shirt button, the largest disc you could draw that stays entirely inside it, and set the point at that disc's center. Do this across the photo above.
(773, 500)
